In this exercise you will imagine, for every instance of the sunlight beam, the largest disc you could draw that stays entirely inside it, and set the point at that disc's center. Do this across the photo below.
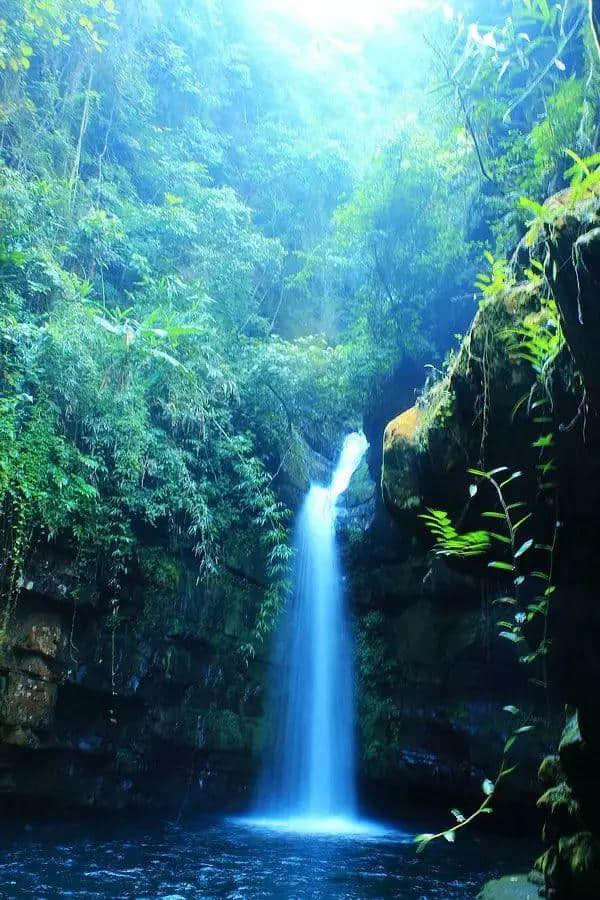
(359, 14)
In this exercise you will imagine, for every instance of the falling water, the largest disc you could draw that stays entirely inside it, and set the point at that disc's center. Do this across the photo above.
(309, 777)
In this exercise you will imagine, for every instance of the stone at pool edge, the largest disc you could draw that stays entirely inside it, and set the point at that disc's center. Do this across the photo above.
(511, 887)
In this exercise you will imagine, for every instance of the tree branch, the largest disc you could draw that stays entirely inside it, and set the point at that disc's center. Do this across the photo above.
(552, 62)
(465, 109)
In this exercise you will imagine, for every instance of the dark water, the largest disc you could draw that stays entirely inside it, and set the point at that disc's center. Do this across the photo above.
(226, 860)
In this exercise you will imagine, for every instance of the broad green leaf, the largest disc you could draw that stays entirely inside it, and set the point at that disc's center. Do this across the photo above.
(488, 787)
(503, 566)
(524, 548)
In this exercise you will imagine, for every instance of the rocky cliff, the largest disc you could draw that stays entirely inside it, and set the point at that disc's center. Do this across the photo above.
(151, 706)
(504, 403)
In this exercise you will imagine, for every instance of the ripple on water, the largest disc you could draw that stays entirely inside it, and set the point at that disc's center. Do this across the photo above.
(235, 859)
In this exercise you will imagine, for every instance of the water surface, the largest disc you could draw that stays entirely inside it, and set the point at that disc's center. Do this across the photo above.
(224, 859)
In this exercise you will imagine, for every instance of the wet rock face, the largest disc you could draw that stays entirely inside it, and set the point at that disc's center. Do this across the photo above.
(572, 265)
(431, 690)
(571, 865)
(400, 483)
(152, 714)
(469, 418)
(433, 677)
(573, 272)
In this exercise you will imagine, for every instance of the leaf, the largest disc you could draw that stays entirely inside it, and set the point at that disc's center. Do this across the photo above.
(534, 207)
(488, 787)
(524, 548)
(580, 164)
(511, 478)
(512, 636)
(108, 326)
(513, 710)
(457, 815)
(503, 68)
(423, 838)
(524, 729)
(521, 521)
(472, 490)
(505, 567)
(450, 836)
(160, 354)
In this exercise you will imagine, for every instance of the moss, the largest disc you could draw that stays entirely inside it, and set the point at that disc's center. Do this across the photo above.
(161, 570)
(580, 856)
(563, 813)
(403, 428)
(584, 853)
(573, 751)
(399, 476)
(550, 772)
(559, 800)
(460, 418)
(437, 407)
(223, 730)
(377, 667)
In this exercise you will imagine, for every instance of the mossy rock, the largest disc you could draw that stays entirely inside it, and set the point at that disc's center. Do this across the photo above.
(512, 887)
(559, 799)
(563, 812)
(429, 447)
(400, 478)
(580, 858)
(578, 759)
(550, 772)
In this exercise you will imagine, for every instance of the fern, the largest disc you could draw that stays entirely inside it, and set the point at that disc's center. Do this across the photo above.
(496, 281)
(449, 541)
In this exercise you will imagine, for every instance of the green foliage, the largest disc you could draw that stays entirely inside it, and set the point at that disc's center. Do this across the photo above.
(517, 76)
(221, 729)
(449, 541)
(538, 340)
(219, 238)
(395, 248)
(584, 175)
(378, 678)
(135, 393)
(514, 522)
(551, 137)
(497, 280)
(584, 181)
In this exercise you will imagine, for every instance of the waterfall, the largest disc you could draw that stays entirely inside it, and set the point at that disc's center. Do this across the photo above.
(309, 773)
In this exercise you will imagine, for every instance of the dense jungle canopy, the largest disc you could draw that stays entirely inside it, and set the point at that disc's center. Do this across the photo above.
(223, 227)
